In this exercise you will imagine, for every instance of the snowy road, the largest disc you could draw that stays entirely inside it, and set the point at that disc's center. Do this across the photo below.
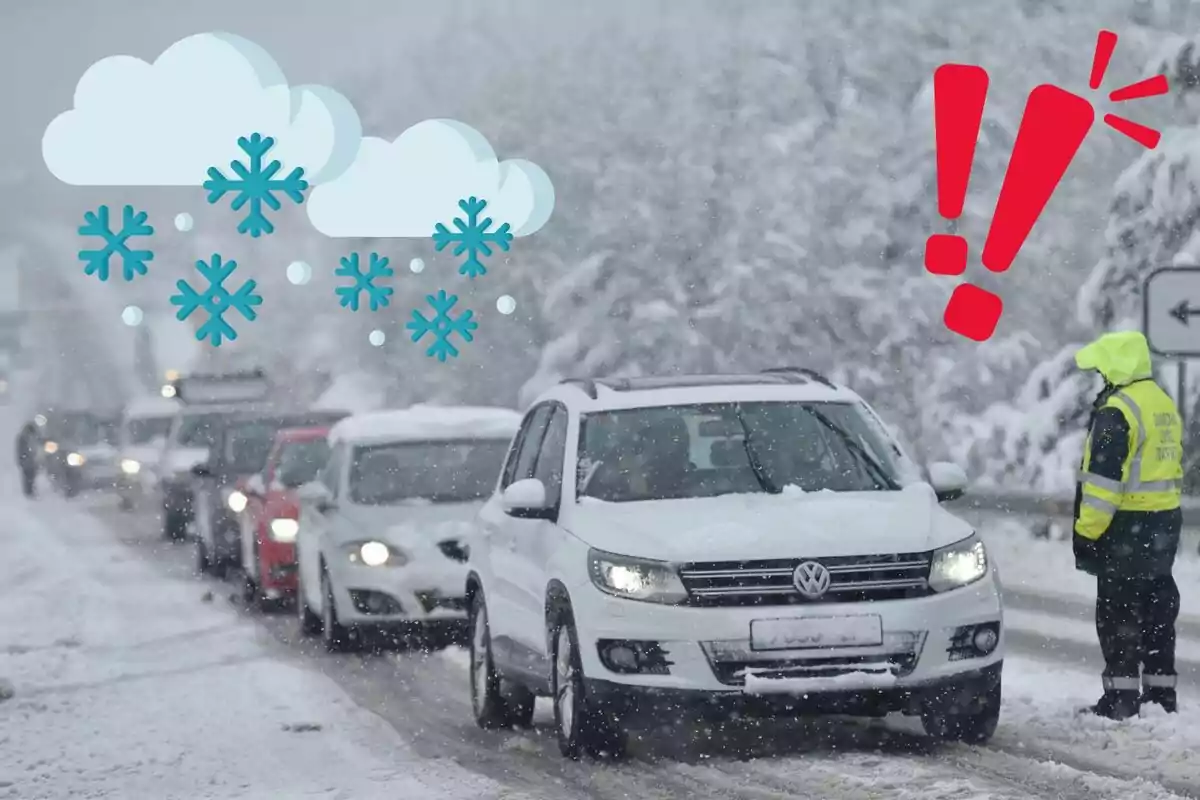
(233, 668)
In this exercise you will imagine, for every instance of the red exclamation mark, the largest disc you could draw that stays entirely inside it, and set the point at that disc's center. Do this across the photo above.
(959, 93)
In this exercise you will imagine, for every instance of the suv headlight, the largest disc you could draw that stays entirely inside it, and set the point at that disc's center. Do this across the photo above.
(635, 578)
(236, 501)
(284, 530)
(958, 565)
(76, 459)
(375, 554)
(130, 466)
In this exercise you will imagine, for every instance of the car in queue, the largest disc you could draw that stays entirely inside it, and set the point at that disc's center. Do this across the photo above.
(238, 450)
(380, 540)
(145, 424)
(272, 516)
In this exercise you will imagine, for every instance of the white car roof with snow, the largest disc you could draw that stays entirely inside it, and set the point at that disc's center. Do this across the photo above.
(610, 394)
(423, 423)
(151, 406)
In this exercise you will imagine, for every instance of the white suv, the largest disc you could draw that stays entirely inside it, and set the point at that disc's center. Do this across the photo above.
(737, 544)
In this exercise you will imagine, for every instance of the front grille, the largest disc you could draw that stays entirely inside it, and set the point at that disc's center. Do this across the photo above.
(733, 673)
(853, 579)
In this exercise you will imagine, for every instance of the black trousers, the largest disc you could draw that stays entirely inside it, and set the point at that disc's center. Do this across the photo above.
(27, 479)
(1135, 618)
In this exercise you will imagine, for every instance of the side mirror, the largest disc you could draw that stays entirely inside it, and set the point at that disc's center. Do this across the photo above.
(317, 495)
(527, 499)
(255, 485)
(201, 470)
(949, 480)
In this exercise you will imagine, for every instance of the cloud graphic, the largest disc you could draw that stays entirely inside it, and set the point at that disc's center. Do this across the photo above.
(166, 123)
(402, 189)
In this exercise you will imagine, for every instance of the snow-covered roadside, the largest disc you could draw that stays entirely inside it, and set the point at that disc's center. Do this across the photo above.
(1038, 566)
(126, 685)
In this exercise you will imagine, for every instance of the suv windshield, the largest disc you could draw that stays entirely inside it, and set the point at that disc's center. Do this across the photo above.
(674, 452)
(143, 430)
(440, 472)
(300, 462)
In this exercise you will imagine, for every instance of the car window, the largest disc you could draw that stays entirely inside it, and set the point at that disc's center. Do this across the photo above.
(247, 445)
(301, 462)
(144, 430)
(330, 474)
(444, 471)
(524, 452)
(549, 466)
(199, 431)
(654, 453)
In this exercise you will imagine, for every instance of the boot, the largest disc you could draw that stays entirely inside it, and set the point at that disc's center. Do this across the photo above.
(1116, 705)
(1163, 697)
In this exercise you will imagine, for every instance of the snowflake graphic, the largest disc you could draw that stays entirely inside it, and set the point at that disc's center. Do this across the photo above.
(473, 237)
(442, 326)
(364, 282)
(216, 300)
(133, 262)
(256, 184)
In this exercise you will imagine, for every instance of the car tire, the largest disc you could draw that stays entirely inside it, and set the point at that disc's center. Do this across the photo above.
(580, 727)
(174, 524)
(310, 623)
(337, 637)
(973, 725)
(491, 708)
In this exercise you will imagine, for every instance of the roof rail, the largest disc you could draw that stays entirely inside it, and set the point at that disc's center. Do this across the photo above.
(587, 384)
(808, 373)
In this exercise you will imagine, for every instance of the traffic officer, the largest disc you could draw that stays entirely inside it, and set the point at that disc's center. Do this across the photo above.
(1127, 524)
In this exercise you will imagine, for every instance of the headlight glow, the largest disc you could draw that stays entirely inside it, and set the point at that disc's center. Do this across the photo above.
(958, 565)
(236, 501)
(375, 554)
(76, 459)
(50, 447)
(284, 530)
(130, 467)
(635, 579)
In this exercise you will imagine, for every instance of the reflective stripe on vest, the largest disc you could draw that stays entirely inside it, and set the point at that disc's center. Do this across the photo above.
(1112, 684)
(1133, 483)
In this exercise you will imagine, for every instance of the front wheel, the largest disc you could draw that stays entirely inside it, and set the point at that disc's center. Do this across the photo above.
(491, 708)
(973, 722)
(310, 623)
(337, 637)
(580, 727)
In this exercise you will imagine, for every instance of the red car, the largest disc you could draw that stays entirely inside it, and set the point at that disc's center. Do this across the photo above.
(270, 519)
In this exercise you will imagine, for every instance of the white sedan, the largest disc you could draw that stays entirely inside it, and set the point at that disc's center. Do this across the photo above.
(381, 532)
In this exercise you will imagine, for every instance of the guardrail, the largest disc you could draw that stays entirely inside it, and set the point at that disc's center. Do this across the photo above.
(1032, 504)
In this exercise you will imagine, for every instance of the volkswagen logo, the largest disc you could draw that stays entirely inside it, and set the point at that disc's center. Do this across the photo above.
(811, 579)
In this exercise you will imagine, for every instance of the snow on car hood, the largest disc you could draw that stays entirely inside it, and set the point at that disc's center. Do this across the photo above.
(787, 525)
(410, 525)
(97, 452)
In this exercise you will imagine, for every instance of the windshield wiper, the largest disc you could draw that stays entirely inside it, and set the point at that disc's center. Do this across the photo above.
(756, 465)
(874, 466)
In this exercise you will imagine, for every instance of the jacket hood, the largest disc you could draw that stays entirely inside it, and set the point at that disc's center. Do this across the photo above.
(1121, 358)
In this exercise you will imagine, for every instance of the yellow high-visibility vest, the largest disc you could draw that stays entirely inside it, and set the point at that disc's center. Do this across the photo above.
(1152, 473)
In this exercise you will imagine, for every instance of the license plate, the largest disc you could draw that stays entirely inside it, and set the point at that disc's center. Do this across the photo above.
(813, 632)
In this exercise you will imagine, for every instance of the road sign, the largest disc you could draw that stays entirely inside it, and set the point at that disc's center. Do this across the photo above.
(1171, 311)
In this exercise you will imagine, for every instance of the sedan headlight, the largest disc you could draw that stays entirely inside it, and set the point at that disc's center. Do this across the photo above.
(236, 501)
(76, 459)
(635, 578)
(130, 467)
(284, 530)
(376, 554)
(50, 447)
(958, 565)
